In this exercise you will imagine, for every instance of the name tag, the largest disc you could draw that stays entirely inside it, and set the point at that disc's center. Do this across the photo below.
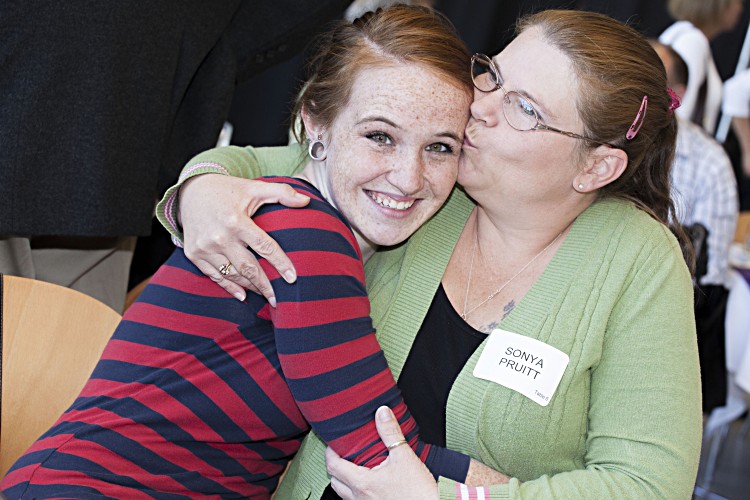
(522, 364)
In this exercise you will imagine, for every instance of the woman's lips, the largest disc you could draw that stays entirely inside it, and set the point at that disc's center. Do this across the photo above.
(388, 202)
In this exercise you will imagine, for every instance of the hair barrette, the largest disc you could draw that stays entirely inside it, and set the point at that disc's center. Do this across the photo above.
(639, 119)
(674, 99)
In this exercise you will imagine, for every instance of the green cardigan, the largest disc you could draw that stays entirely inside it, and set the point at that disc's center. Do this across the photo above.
(625, 421)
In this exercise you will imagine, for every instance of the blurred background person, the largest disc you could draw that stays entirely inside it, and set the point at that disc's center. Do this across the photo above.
(699, 22)
(736, 104)
(705, 193)
(102, 103)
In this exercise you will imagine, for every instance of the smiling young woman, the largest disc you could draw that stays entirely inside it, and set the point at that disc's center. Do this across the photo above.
(198, 394)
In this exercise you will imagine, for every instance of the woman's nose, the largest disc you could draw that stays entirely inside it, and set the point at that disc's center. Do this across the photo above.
(487, 106)
(407, 175)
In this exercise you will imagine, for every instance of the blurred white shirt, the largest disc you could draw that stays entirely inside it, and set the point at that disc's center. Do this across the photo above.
(704, 190)
(737, 95)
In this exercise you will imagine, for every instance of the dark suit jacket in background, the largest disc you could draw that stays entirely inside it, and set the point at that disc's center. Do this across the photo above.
(103, 102)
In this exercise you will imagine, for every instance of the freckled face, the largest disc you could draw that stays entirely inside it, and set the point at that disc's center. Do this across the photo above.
(392, 153)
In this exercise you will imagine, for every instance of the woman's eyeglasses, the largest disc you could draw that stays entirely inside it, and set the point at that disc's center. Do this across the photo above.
(517, 109)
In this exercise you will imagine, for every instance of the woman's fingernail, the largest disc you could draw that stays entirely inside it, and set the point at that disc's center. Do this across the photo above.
(272, 301)
(239, 296)
(384, 414)
(290, 277)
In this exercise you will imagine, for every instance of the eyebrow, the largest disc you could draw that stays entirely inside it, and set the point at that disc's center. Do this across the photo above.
(450, 135)
(526, 94)
(377, 118)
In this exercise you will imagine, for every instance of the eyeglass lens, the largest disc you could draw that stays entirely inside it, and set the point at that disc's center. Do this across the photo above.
(518, 111)
(483, 74)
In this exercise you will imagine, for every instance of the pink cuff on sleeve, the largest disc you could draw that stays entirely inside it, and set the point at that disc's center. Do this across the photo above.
(464, 492)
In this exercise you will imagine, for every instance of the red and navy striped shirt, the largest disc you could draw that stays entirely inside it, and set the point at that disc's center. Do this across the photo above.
(200, 395)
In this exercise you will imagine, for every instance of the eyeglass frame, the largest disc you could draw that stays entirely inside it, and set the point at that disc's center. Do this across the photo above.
(540, 125)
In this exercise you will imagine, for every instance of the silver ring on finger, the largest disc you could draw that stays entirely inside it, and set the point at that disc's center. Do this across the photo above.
(225, 269)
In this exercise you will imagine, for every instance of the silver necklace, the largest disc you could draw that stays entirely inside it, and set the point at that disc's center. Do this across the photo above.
(491, 296)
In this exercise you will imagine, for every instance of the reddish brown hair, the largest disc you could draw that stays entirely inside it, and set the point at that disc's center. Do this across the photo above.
(406, 34)
(616, 68)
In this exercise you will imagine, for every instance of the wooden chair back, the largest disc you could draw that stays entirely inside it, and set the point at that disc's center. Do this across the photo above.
(51, 338)
(743, 227)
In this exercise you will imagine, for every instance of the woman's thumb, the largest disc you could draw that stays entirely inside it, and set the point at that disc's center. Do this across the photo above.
(388, 428)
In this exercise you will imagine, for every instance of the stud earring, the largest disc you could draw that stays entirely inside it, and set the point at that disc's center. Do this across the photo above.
(580, 186)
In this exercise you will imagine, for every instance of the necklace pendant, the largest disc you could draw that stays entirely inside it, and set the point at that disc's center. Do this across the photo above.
(499, 289)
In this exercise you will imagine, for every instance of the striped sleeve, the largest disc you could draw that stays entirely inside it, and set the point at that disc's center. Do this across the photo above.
(326, 343)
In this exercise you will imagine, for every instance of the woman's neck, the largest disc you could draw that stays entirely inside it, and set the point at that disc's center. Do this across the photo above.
(522, 232)
(316, 174)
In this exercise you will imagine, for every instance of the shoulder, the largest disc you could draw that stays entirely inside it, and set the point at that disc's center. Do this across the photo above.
(649, 248)
(317, 225)
(318, 204)
(630, 235)
(298, 184)
(679, 31)
(291, 153)
(691, 139)
(686, 39)
(620, 247)
(272, 156)
(737, 95)
(698, 149)
(247, 161)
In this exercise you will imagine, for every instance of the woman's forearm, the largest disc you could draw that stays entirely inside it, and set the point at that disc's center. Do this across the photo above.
(480, 474)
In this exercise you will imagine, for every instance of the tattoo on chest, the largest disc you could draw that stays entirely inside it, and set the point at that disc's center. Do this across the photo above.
(507, 309)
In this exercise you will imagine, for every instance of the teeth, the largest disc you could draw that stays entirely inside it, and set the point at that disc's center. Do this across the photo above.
(389, 203)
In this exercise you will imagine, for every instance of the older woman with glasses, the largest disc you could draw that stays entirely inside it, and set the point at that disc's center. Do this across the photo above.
(541, 321)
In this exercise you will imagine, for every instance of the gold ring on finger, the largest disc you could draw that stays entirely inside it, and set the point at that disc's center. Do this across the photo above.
(225, 269)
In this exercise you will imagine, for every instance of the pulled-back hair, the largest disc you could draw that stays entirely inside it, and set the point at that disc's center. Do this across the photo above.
(616, 68)
(698, 12)
(397, 34)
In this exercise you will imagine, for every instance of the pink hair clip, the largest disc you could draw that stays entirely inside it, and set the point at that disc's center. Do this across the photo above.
(639, 119)
(674, 99)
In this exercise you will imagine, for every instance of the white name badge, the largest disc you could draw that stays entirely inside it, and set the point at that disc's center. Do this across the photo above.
(522, 364)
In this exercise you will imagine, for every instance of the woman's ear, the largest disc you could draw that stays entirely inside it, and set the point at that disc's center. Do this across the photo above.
(604, 166)
(317, 144)
(312, 128)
